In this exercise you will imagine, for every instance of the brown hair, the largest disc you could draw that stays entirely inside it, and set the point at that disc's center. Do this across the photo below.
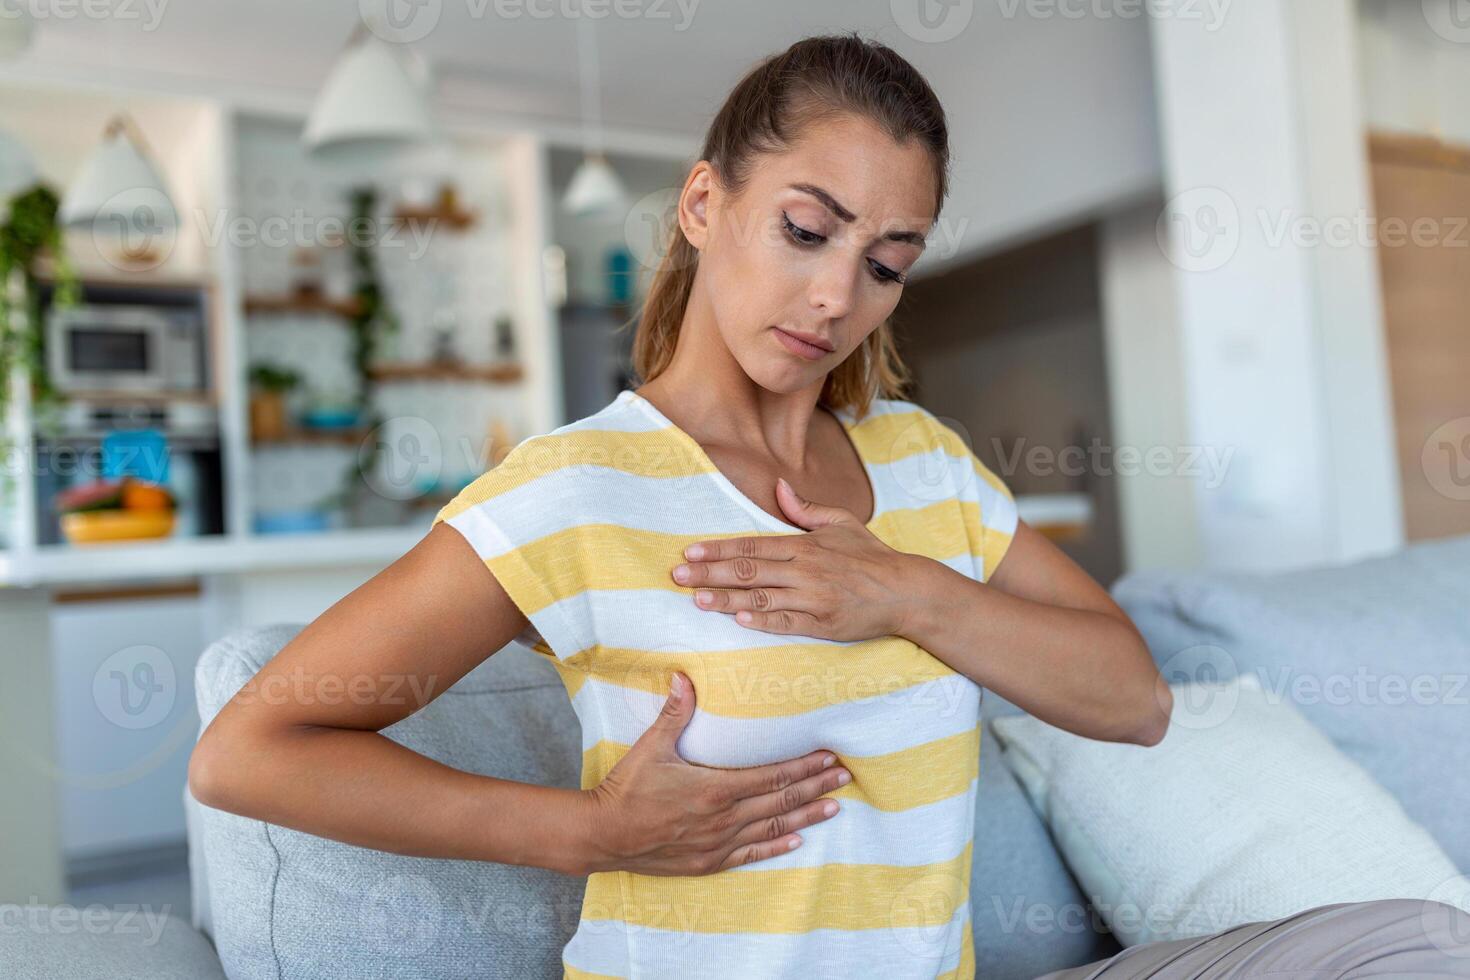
(815, 78)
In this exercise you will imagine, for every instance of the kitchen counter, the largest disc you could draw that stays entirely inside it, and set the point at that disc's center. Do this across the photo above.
(119, 561)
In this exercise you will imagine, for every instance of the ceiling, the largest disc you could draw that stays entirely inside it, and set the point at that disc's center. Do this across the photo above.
(1050, 116)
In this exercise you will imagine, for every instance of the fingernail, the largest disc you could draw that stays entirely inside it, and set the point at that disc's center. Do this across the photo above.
(743, 616)
(681, 573)
(828, 760)
(844, 777)
(676, 686)
(694, 552)
(793, 844)
(830, 807)
(704, 597)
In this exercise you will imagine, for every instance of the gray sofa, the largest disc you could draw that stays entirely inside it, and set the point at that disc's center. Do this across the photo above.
(275, 903)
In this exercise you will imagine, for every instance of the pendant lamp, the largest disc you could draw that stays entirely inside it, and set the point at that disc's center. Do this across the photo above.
(595, 190)
(373, 95)
(119, 187)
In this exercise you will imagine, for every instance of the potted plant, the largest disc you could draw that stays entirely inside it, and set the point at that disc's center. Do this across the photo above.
(29, 234)
(269, 385)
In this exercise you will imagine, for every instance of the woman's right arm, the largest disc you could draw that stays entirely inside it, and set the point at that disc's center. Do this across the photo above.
(300, 746)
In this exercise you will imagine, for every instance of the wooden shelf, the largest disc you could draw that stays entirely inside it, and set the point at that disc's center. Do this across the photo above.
(429, 371)
(307, 436)
(345, 308)
(1418, 151)
(456, 219)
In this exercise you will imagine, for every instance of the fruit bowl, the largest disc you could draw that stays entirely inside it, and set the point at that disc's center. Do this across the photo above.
(86, 527)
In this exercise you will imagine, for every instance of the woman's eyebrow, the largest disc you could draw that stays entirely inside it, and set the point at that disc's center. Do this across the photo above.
(830, 202)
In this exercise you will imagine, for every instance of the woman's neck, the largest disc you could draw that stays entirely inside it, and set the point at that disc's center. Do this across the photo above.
(706, 392)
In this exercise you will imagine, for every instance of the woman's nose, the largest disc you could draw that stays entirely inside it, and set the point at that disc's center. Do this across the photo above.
(832, 288)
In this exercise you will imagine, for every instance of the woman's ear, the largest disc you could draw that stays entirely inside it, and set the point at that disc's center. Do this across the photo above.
(694, 204)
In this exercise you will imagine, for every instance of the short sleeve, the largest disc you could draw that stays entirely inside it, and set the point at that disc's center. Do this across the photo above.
(989, 506)
(521, 519)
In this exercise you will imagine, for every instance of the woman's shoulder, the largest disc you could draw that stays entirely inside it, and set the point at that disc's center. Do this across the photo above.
(905, 420)
(559, 467)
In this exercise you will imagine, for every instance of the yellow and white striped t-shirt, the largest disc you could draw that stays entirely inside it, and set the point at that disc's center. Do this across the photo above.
(582, 527)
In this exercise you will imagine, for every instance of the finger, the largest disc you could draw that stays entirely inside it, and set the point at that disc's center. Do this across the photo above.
(774, 776)
(775, 547)
(806, 513)
(751, 853)
(787, 621)
(738, 573)
(734, 600)
(672, 718)
(784, 825)
(799, 801)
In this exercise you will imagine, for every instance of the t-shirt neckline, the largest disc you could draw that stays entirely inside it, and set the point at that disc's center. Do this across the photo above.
(728, 487)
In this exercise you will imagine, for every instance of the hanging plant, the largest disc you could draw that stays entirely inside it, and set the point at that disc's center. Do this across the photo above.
(28, 234)
(371, 318)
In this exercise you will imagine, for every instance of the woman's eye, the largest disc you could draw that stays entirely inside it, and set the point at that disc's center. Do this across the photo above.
(882, 273)
(799, 234)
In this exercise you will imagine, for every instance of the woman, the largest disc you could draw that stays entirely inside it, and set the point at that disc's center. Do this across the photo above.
(774, 588)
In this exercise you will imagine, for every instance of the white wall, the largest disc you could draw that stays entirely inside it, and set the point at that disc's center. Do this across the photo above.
(1051, 120)
(1281, 336)
(1416, 67)
(1157, 512)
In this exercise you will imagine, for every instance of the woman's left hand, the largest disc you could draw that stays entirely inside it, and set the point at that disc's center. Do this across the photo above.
(836, 582)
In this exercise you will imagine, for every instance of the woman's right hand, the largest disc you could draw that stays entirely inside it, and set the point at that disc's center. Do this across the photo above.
(656, 814)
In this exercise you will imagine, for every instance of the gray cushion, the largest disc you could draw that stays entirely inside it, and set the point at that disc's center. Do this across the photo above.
(1028, 914)
(289, 904)
(1347, 645)
(283, 903)
(49, 942)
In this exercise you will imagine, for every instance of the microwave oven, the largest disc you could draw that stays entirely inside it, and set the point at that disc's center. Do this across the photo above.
(125, 349)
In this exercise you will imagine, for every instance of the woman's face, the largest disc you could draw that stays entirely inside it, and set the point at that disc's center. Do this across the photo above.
(816, 246)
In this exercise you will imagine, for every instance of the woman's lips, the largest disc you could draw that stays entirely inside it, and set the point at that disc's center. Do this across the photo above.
(800, 347)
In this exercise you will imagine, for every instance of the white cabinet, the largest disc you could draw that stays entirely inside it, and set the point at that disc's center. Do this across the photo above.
(125, 718)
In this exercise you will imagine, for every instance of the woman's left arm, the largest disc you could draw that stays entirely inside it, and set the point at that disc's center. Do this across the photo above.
(1041, 632)
(1044, 635)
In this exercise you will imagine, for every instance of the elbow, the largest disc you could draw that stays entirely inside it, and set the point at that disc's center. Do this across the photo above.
(205, 773)
(1154, 724)
(211, 771)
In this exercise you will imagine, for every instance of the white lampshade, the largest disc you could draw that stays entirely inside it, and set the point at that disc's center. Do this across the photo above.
(595, 190)
(17, 169)
(369, 96)
(16, 27)
(118, 187)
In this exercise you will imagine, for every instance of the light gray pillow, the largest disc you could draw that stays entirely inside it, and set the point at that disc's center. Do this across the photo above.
(1243, 813)
(282, 903)
(1374, 653)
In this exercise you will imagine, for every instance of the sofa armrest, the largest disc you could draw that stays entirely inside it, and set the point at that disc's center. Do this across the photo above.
(121, 942)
